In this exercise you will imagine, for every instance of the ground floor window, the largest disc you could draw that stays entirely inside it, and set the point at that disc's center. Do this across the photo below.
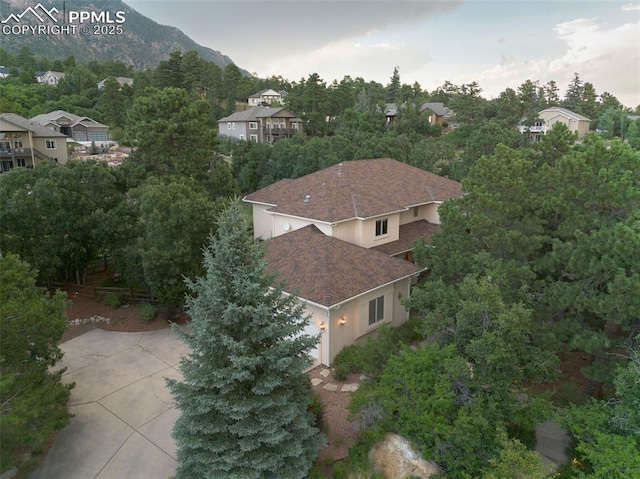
(21, 162)
(376, 310)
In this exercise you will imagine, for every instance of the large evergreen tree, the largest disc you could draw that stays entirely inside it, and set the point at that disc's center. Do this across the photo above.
(245, 396)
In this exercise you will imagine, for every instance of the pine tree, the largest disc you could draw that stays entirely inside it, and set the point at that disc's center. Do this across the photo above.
(244, 396)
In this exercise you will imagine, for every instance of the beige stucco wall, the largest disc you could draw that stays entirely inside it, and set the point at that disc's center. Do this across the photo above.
(583, 128)
(317, 316)
(346, 231)
(368, 237)
(430, 213)
(262, 222)
(60, 152)
(295, 224)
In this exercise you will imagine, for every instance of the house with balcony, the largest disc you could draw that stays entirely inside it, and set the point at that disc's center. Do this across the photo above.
(267, 98)
(79, 128)
(436, 113)
(575, 122)
(24, 143)
(341, 238)
(260, 124)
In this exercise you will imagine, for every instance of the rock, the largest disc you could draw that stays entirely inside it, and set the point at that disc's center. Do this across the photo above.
(395, 458)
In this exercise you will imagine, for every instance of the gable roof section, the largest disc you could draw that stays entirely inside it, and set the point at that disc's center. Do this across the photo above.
(356, 189)
(328, 271)
(438, 108)
(37, 130)
(54, 116)
(566, 113)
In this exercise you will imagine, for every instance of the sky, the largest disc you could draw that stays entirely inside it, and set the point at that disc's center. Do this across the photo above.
(498, 43)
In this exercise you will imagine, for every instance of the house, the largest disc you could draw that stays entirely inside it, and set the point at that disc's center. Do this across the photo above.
(50, 77)
(547, 118)
(24, 143)
(261, 124)
(266, 97)
(342, 238)
(121, 81)
(4, 72)
(438, 113)
(79, 128)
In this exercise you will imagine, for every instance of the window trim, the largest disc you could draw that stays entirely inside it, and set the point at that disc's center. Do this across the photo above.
(382, 227)
(253, 125)
(50, 144)
(376, 311)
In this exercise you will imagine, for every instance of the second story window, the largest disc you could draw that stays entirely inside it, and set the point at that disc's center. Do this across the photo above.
(50, 144)
(253, 125)
(382, 227)
(229, 126)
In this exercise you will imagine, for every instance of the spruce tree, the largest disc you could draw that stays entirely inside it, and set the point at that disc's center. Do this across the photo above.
(245, 395)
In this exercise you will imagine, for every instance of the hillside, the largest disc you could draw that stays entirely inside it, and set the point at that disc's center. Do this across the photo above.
(142, 44)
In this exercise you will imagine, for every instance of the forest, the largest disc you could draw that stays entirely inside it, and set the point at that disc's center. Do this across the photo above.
(539, 259)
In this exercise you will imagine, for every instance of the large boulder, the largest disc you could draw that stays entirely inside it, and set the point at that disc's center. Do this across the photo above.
(395, 458)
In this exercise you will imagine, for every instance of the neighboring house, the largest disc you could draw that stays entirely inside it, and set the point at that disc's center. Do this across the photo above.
(24, 143)
(120, 80)
(4, 72)
(260, 124)
(50, 77)
(549, 117)
(266, 97)
(79, 128)
(342, 239)
(438, 113)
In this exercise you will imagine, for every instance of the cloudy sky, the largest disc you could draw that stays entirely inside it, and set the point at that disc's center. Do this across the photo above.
(499, 43)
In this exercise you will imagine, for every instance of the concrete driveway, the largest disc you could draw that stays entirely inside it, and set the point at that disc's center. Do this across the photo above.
(123, 411)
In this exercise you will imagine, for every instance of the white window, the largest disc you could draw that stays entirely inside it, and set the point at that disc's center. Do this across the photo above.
(294, 126)
(233, 125)
(21, 162)
(229, 126)
(376, 310)
(50, 144)
(16, 135)
(253, 125)
(241, 136)
(253, 137)
(17, 145)
(382, 227)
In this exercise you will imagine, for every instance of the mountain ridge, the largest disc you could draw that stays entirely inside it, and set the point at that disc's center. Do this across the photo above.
(142, 43)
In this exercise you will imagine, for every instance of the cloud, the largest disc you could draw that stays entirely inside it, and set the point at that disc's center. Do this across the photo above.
(630, 7)
(596, 53)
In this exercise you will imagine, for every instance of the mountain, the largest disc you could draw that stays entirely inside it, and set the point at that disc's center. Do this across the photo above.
(142, 44)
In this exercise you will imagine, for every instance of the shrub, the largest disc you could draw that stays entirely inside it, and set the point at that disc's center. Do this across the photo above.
(147, 312)
(112, 300)
(316, 407)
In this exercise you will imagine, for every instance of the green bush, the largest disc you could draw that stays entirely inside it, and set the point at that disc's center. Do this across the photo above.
(112, 300)
(147, 312)
(316, 407)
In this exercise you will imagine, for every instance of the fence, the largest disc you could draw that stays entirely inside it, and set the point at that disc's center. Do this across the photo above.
(100, 292)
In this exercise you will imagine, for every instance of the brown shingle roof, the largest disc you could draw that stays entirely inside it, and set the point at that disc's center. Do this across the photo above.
(327, 270)
(409, 233)
(356, 189)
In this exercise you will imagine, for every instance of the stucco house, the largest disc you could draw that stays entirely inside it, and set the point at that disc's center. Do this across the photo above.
(266, 97)
(79, 128)
(547, 118)
(24, 143)
(50, 77)
(261, 124)
(342, 238)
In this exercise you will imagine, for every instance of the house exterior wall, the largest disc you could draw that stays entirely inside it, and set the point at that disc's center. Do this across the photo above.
(262, 222)
(583, 128)
(317, 315)
(59, 153)
(346, 231)
(279, 223)
(237, 129)
(368, 238)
